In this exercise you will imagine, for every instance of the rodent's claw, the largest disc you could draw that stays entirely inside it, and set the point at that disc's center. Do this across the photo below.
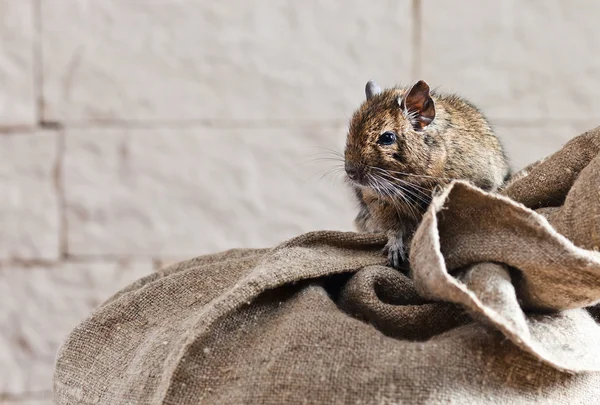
(396, 253)
(395, 259)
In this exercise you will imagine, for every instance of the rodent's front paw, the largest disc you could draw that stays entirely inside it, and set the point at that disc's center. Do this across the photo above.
(396, 253)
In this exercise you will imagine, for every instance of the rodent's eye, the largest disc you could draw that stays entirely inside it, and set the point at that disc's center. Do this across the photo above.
(387, 138)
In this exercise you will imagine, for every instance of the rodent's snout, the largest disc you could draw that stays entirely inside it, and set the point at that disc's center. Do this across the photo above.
(354, 171)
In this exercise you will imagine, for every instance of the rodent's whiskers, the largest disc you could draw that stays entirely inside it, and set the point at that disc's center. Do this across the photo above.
(329, 151)
(323, 159)
(412, 174)
(416, 200)
(381, 188)
(336, 175)
(326, 171)
(418, 192)
(325, 156)
(418, 188)
(335, 152)
(389, 190)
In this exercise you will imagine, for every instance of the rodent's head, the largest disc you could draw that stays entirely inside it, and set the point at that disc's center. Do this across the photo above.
(388, 142)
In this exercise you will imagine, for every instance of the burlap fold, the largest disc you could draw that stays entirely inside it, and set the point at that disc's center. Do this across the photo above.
(500, 310)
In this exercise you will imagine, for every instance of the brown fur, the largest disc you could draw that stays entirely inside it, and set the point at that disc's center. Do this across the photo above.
(457, 144)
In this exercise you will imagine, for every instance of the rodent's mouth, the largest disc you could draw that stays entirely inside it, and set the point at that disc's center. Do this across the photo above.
(367, 183)
(361, 182)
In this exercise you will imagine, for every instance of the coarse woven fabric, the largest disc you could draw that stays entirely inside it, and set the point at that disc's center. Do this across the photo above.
(501, 309)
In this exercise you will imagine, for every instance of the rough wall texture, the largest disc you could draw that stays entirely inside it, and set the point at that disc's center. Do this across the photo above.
(135, 133)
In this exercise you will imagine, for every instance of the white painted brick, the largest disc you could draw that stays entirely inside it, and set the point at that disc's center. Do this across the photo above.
(28, 198)
(517, 60)
(39, 306)
(230, 60)
(526, 144)
(181, 193)
(17, 99)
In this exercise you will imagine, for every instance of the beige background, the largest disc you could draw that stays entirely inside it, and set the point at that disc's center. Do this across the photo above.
(134, 133)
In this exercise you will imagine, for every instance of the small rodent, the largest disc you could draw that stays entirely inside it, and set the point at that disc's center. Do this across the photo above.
(405, 142)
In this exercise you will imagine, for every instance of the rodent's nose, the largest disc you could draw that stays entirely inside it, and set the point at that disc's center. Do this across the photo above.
(352, 171)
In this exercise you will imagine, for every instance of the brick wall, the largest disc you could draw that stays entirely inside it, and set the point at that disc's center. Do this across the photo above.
(136, 133)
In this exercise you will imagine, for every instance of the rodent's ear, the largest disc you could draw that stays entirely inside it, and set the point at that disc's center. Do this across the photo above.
(418, 105)
(372, 89)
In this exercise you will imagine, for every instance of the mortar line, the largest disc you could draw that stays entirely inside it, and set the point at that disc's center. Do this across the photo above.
(416, 39)
(199, 125)
(18, 129)
(26, 263)
(38, 62)
(91, 257)
(60, 191)
(87, 259)
(25, 396)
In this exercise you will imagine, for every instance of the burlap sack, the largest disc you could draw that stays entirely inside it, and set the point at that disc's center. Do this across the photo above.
(320, 320)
